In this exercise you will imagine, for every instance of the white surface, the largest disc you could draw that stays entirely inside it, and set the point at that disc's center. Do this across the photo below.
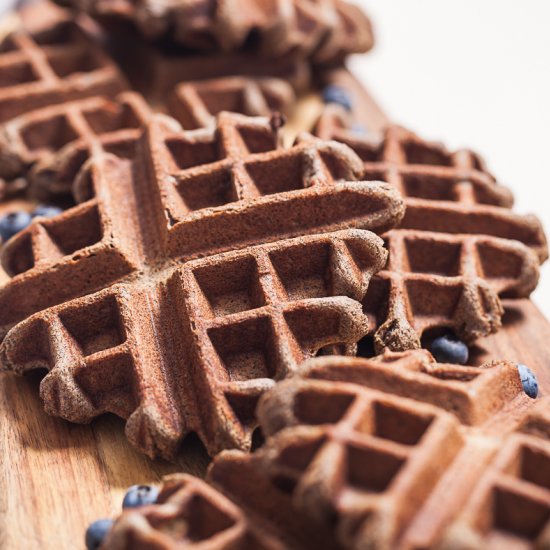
(472, 74)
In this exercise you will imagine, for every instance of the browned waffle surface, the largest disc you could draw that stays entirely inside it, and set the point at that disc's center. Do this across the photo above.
(191, 276)
(52, 143)
(324, 30)
(196, 104)
(51, 60)
(397, 452)
(459, 247)
(155, 70)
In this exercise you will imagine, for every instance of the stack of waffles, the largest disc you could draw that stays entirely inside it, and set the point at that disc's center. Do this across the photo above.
(207, 255)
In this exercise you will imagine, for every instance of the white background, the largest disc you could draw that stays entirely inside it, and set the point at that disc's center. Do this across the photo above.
(475, 74)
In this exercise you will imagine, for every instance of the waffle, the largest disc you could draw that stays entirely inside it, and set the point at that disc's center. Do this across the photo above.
(54, 142)
(154, 69)
(459, 247)
(397, 452)
(233, 246)
(191, 513)
(196, 104)
(324, 30)
(50, 61)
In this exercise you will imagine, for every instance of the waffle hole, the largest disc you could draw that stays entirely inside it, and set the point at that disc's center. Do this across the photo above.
(103, 121)
(373, 175)
(206, 520)
(258, 140)
(369, 152)
(19, 257)
(231, 287)
(246, 349)
(431, 256)
(326, 323)
(337, 168)
(66, 63)
(96, 326)
(277, 175)
(518, 515)
(303, 270)
(19, 73)
(319, 407)
(371, 470)
(399, 425)
(200, 520)
(434, 188)
(244, 407)
(8, 45)
(207, 190)
(51, 134)
(188, 155)
(498, 264)
(228, 100)
(296, 458)
(108, 381)
(375, 303)
(75, 231)
(62, 34)
(532, 465)
(431, 300)
(125, 149)
(419, 153)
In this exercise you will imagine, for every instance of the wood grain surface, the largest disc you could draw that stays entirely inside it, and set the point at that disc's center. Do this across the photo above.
(57, 477)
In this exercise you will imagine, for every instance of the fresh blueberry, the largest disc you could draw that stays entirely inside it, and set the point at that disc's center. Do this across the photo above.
(140, 495)
(46, 211)
(449, 349)
(96, 533)
(12, 223)
(359, 128)
(336, 94)
(528, 381)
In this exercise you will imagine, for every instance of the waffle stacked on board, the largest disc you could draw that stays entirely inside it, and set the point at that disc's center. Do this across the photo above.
(196, 254)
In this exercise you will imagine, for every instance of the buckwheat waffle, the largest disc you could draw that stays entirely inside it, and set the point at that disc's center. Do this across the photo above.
(50, 61)
(215, 249)
(155, 69)
(324, 30)
(191, 513)
(458, 248)
(397, 452)
(54, 142)
(196, 104)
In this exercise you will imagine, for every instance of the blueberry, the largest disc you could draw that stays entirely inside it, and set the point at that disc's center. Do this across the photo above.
(528, 381)
(96, 533)
(140, 495)
(449, 349)
(358, 128)
(13, 223)
(336, 94)
(46, 211)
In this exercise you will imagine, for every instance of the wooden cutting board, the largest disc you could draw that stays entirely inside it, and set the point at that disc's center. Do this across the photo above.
(56, 477)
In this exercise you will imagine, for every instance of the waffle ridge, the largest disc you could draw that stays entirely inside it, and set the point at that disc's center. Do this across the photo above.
(324, 30)
(392, 452)
(196, 104)
(458, 248)
(51, 144)
(50, 64)
(242, 238)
